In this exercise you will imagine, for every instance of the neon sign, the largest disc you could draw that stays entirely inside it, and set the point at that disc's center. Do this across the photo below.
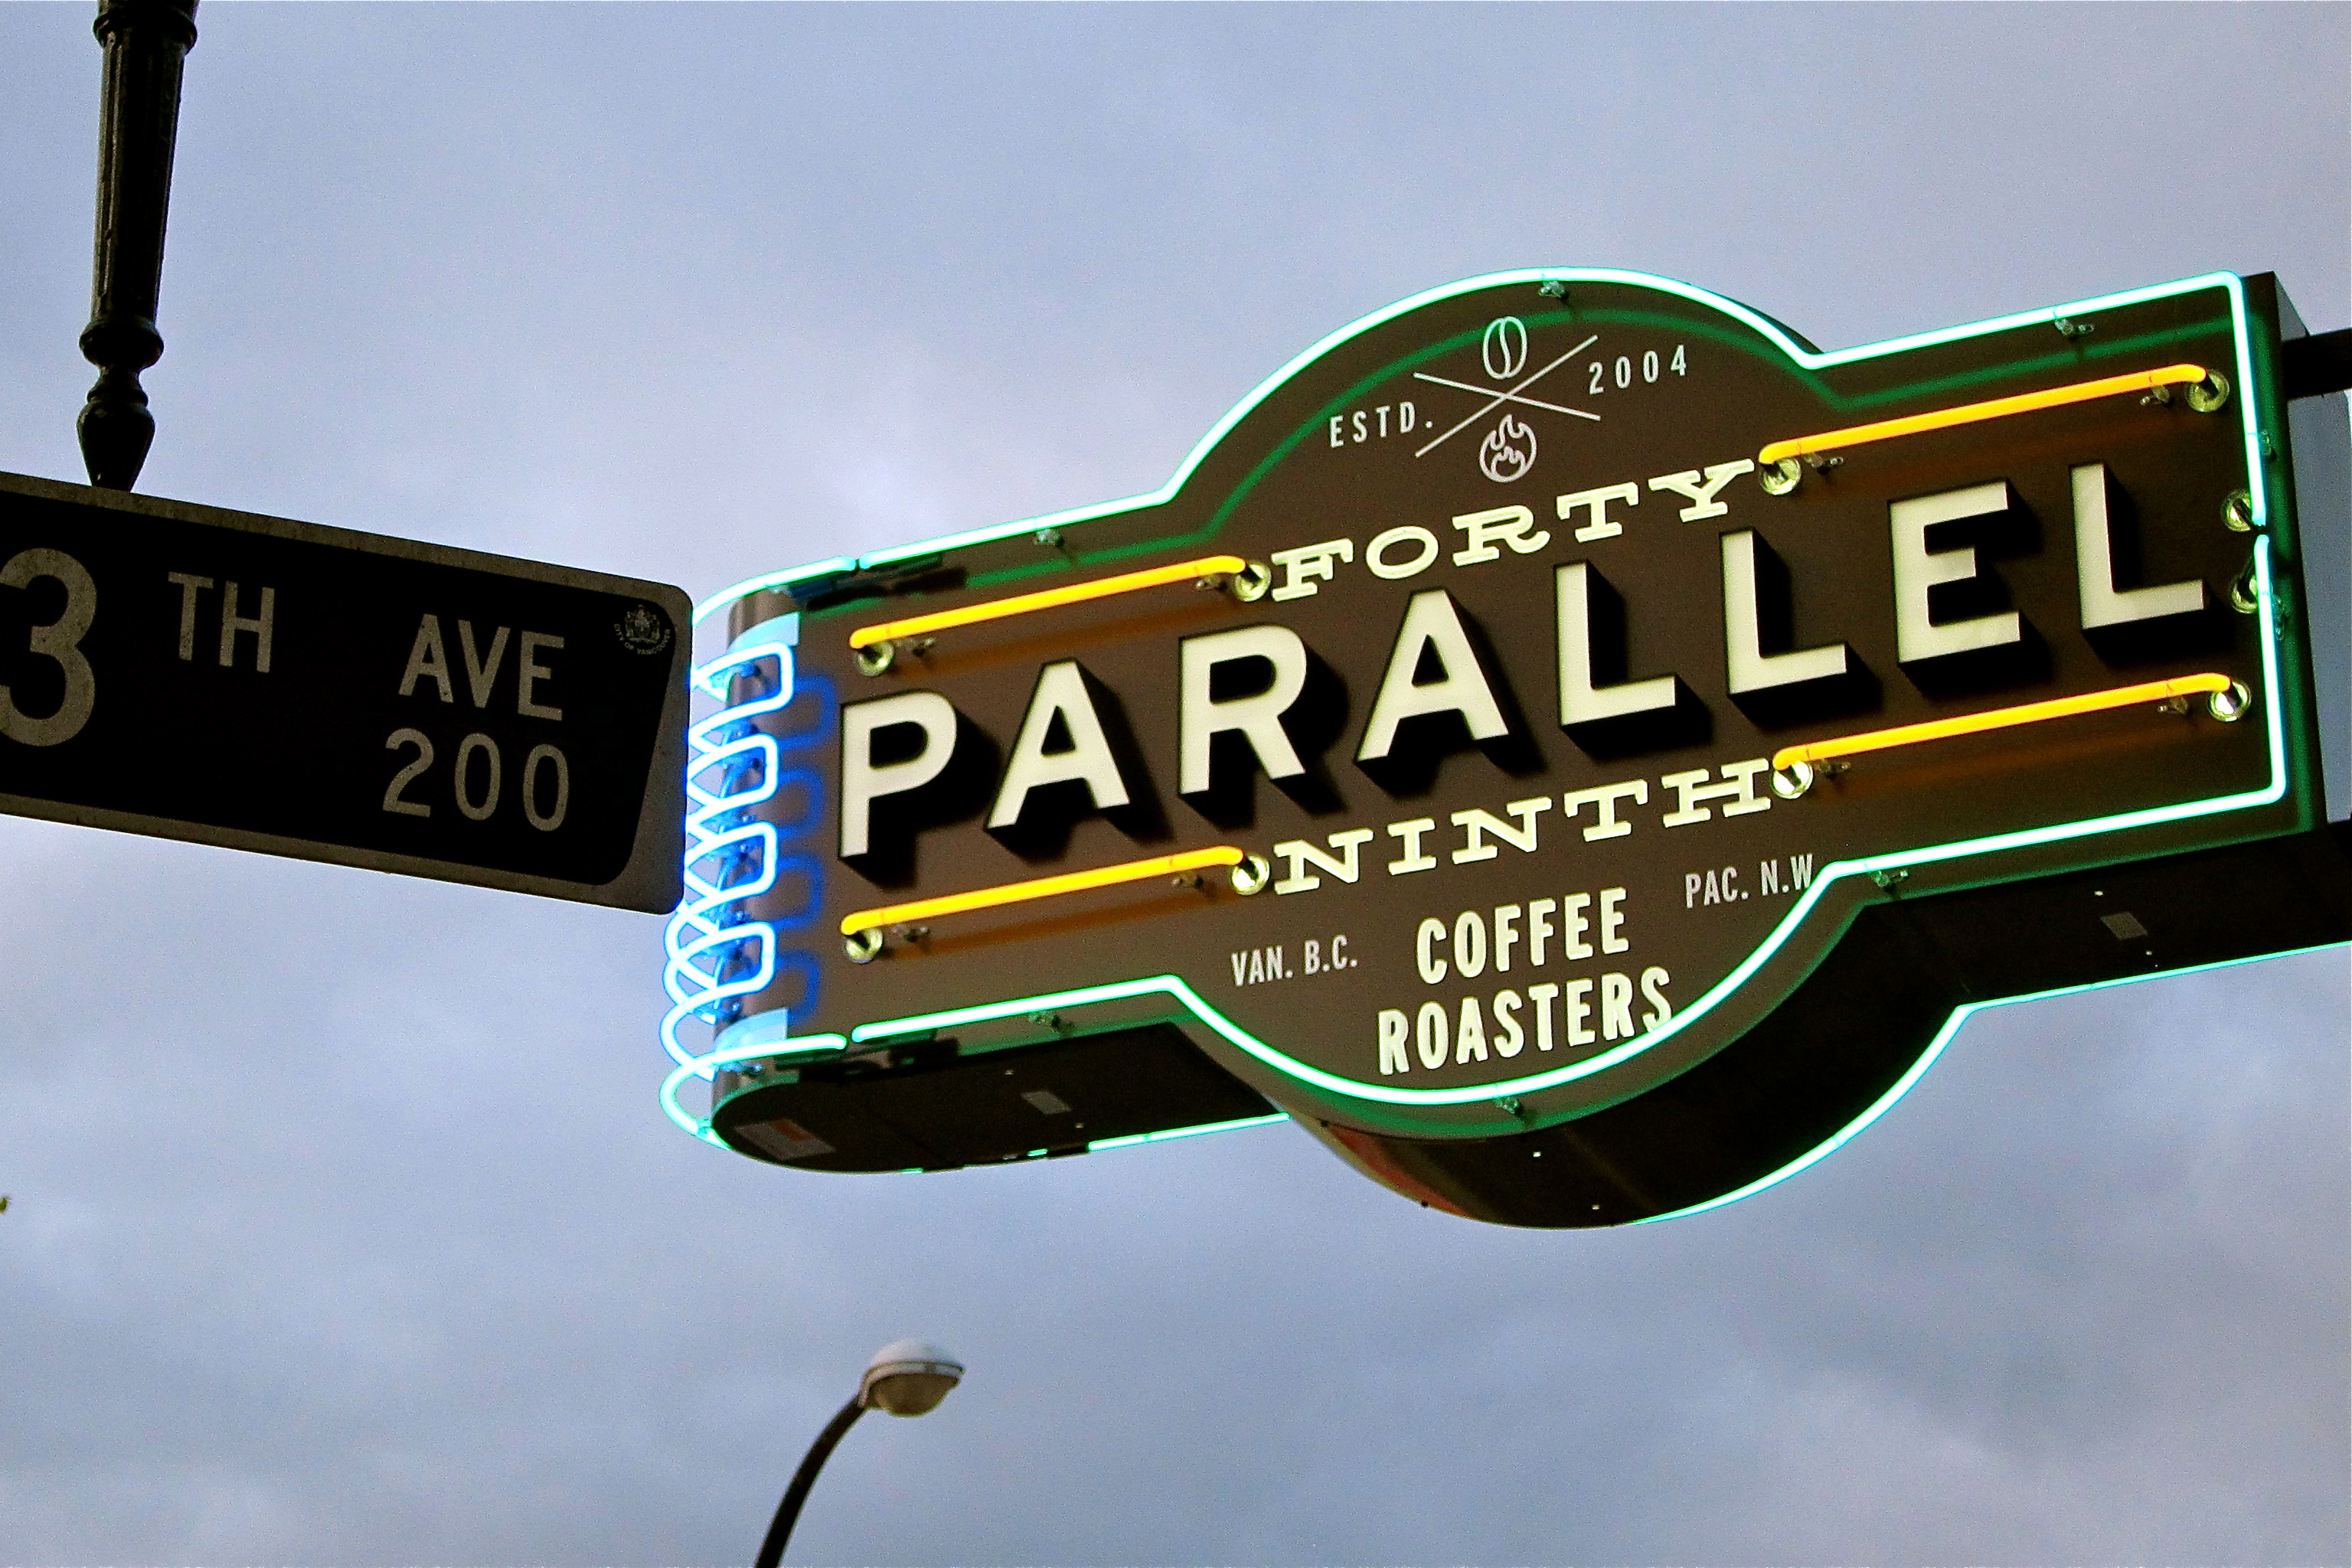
(1563, 718)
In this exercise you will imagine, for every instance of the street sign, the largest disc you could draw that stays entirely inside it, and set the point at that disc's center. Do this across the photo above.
(248, 681)
(1564, 716)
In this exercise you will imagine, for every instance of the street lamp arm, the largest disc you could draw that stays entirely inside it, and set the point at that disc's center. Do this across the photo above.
(771, 1550)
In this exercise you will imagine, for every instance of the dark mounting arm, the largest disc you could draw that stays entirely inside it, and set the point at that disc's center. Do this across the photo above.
(2317, 365)
(146, 41)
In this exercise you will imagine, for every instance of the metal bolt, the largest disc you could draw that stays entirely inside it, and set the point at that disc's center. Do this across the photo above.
(2245, 590)
(2230, 706)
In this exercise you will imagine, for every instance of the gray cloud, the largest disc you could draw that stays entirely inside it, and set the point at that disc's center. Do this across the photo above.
(345, 1228)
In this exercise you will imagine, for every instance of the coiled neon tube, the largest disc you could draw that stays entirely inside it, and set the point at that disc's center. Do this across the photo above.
(714, 951)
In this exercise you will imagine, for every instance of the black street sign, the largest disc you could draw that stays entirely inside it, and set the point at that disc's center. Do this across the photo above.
(262, 684)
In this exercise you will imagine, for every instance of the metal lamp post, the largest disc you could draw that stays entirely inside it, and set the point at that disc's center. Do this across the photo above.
(145, 42)
(905, 1377)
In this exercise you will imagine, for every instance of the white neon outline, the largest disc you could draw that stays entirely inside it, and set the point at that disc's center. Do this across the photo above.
(1182, 991)
(704, 1065)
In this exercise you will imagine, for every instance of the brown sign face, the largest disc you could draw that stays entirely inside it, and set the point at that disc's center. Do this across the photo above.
(1513, 700)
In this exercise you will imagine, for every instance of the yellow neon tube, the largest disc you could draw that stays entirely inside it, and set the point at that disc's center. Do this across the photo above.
(1999, 718)
(1970, 413)
(1046, 599)
(1041, 888)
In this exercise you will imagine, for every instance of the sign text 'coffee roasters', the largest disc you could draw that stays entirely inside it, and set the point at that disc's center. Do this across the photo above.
(1569, 744)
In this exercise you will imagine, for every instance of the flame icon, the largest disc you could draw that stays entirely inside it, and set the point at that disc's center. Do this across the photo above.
(1508, 451)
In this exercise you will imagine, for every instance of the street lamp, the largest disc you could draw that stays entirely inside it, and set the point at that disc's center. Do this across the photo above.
(905, 1377)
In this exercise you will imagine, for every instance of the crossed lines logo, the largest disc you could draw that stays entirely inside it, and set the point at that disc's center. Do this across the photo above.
(1508, 451)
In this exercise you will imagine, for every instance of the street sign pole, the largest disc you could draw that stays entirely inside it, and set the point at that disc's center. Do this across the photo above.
(146, 42)
(264, 684)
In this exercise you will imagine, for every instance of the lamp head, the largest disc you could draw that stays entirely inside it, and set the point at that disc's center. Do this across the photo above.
(908, 1377)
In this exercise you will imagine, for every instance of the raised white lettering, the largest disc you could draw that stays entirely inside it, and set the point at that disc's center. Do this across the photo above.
(1302, 568)
(1581, 703)
(1751, 667)
(1061, 693)
(1510, 524)
(2105, 605)
(1342, 865)
(1430, 627)
(1594, 504)
(864, 781)
(1918, 569)
(1700, 489)
(1201, 718)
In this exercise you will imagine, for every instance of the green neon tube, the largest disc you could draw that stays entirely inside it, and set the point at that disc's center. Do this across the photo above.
(1182, 991)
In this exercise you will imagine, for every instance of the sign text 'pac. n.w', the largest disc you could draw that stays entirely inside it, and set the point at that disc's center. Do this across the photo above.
(1567, 742)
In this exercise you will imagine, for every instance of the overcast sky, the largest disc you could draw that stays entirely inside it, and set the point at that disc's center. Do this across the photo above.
(345, 1228)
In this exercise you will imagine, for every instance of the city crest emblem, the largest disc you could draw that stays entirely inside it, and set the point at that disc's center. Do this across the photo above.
(642, 631)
